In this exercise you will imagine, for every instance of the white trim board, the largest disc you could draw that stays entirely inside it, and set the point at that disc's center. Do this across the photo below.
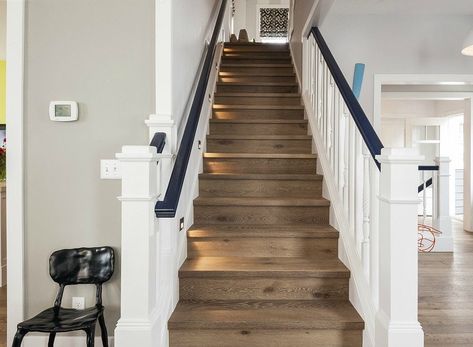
(15, 170)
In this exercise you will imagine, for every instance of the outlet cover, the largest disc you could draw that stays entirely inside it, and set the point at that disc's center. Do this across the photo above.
(78, 302)
(110, 169)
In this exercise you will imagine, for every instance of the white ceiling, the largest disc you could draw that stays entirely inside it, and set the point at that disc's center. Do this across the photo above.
(415, 7)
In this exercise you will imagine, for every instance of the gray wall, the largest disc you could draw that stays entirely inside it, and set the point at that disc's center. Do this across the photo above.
(301, 13)
(191, 23)
(408, 44)
(101, 54)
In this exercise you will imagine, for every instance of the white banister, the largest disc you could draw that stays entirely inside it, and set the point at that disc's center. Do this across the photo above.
(376, 213)
(396, 321)
(138, 322)
(441, 198)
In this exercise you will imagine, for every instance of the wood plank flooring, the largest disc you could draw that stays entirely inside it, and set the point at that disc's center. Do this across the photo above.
(446, 293)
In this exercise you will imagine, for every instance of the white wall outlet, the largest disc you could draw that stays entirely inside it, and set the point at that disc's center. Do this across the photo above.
(110, 169)
(78, 302)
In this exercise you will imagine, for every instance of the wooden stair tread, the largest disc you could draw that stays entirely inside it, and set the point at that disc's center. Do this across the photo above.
(259, 84)
(259, 137)
(257, 107)
(251, 74)
(258, 95)
(233, 201)
(260, 121)
(224, 65)
(280, 314)
(259, 156)
(322, 266)
(231, 176)
(262, 230)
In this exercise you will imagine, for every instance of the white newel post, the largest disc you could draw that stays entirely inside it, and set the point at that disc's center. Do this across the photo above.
(397, 322)
(137, 324)
(442, 221)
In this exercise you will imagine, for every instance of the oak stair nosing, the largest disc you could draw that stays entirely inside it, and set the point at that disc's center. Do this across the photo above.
(234, 201)
(281, 177)
(217, 107)
(259, 156)
(223, 65)
(269, 84)
(320, 266)
(259, 137)
(205, 232)
(257, 95)
(266, 315)
(260, 121)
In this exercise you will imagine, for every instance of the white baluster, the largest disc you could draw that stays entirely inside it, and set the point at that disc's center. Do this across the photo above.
(346, 160)
(352, 171)
(365, 248)
(424, 198)
(359, 179)
(442, 220)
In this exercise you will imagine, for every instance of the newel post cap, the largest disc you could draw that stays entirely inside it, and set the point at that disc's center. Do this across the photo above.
(399, 156)
(138, 153)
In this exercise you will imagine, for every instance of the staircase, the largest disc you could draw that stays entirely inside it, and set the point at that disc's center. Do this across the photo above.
(262, 267)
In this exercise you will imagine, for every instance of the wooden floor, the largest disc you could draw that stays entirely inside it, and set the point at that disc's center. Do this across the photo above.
(3, 316)
(446, 293)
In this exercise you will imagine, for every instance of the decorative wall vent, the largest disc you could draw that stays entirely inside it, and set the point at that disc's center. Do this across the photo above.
(274, 22)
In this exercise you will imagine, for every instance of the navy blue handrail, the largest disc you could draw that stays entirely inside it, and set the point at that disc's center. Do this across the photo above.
(168, 206)
(362, 122)
(158, 141)
(429, 182)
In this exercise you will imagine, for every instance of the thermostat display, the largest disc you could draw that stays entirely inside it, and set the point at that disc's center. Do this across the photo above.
(63, 111)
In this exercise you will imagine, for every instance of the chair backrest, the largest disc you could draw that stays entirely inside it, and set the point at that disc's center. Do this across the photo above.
(82, 265)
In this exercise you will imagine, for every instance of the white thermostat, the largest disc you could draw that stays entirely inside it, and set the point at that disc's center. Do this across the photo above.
(63, 111)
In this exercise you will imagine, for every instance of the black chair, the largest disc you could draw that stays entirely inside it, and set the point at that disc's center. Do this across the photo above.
(71, 267)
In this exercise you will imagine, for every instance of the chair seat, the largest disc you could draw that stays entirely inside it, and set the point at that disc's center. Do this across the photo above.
(66, 320)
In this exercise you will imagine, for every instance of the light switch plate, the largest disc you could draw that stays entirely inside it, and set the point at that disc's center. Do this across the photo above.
(110, 169)
(78, 302)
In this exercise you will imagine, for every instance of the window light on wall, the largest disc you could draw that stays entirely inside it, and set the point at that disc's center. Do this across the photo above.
(468, 45)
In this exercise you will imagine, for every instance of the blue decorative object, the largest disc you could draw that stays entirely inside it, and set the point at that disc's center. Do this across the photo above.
(358, 79)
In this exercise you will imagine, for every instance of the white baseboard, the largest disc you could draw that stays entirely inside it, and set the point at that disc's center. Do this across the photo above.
(62, 341)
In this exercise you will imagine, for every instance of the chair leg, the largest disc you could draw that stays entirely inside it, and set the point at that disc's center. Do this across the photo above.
(90, 336)
(20, 334)
(103, 329)
(52, 336)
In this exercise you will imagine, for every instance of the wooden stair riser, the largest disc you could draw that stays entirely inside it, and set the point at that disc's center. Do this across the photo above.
(248, 78)
(264, 247)
(261, 214)
(267, 49)
(257, 100)
(255, 60)
(259, 165)
(263, 338)
(256, 88)
(237, 288)
(249, 54)
(260, 188)
(296, 114)
(229, 128)
(261, 70)
(259, 146)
